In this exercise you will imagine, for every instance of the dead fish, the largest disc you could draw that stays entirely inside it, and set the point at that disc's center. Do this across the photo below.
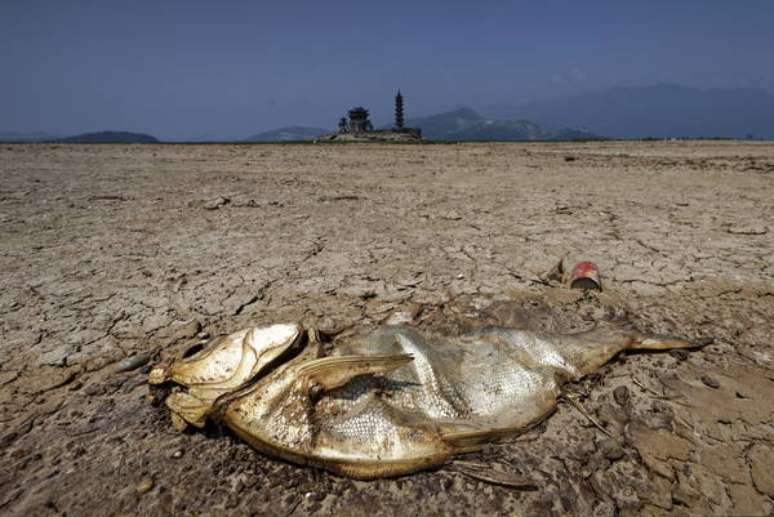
(395, 400)
(224, 367)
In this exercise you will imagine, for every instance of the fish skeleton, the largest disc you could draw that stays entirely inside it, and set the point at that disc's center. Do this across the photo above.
(390, 400)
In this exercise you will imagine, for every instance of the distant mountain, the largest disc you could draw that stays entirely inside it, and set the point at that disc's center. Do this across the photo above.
(210, 138)
(662, 110)
(466, 124)
(288, 134)
(438, 127)
(34, 136)
(111, 136)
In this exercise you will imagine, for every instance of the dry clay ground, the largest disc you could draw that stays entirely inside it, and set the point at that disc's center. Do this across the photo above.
(112, 252)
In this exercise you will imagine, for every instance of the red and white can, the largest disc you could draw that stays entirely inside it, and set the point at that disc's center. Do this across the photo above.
(585, 275)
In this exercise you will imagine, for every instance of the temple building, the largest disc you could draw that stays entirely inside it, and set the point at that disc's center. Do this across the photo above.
(357, 126)
(358, 120)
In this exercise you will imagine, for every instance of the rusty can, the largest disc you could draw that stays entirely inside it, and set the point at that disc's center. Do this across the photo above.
(585, 275)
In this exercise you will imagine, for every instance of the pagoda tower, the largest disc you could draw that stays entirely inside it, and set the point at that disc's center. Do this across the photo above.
(399, 111)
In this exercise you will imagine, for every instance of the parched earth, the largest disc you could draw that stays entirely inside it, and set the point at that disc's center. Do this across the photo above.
(114, 257)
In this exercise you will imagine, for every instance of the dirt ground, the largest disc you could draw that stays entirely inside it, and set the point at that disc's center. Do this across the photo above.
(112, 252)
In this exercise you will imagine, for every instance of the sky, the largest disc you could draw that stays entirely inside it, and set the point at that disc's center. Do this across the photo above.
(192, 69)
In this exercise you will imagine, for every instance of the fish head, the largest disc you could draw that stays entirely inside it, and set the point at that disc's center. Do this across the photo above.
(232, 360)
(229, 364)
(272, 342)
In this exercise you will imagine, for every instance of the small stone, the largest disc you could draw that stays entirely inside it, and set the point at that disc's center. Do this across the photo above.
(681, 496)
(144, 486)
(186, 331)
(94, 389)
(75, 386)
(710, 381)
(55, 357)
(680, 355)
(621, 395)
(748, 229)
(367, 294)
(401, 316)
(177, 454)
(556, 273)
(216, 203)
(611, 449)
(132, 363)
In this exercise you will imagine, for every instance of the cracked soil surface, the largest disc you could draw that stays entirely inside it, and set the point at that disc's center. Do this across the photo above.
(115, 256)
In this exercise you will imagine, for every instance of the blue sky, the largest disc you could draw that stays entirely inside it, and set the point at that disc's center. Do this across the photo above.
(183, 69)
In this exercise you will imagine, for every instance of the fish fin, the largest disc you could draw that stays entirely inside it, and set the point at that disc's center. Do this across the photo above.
(333, 372)
(465, 436)
(658, 342)
(159, 374)
(189, 408)
(489, 475)
(178, 422)
(463, 443)
(314, 342)
(468, 437)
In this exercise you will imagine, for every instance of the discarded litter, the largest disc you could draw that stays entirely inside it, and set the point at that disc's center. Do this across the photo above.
(585, 275)
(390, 400)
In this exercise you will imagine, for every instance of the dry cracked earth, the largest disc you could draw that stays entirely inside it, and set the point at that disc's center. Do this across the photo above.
(114, 257)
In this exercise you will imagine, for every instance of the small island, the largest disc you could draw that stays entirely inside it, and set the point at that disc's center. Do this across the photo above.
(356, 127)
(115, 137)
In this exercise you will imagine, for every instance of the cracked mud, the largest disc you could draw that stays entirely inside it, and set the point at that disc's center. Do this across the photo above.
(114, 257)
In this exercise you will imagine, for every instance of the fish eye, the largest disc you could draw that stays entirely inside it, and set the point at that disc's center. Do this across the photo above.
(193, 350)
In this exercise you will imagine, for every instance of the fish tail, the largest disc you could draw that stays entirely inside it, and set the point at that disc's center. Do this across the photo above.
(587, 351)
